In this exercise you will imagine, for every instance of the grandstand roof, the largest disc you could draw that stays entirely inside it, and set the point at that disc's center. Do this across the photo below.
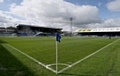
(100, 30)
(39, 26)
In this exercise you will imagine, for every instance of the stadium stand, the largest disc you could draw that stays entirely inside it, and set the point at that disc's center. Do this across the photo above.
(32, 30)
(28, 30)
(105, 32)
(8, 31)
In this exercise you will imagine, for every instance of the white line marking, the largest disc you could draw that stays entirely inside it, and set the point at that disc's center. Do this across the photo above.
(51, 69)
(58, 64)
(87, 56)
(32, 58)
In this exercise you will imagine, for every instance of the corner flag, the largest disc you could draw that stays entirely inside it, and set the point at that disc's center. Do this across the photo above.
(58, 37)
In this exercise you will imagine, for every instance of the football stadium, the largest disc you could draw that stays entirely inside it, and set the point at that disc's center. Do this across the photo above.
(34, 51)
(59, 37)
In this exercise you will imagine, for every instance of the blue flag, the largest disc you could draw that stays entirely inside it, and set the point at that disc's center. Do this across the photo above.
(58, 37)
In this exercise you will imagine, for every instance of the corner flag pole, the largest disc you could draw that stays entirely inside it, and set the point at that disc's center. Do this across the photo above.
(56, 57)
(58, 37)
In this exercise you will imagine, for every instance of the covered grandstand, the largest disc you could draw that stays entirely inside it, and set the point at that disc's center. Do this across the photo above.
(32, 30)
(28, 30)
(114, 32)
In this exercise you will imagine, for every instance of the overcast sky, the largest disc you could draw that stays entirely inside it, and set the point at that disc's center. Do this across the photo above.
(57, 13)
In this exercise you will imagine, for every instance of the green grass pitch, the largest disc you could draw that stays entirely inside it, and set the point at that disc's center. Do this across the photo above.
(71, 49)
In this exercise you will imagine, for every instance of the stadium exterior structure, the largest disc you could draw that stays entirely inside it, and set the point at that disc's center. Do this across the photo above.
(7, 31)
(29, 30)
(105, 32)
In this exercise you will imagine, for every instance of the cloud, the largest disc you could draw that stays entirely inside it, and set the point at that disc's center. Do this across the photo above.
(104, 24)
(1, 1)
(4, 19)
(114, 5)
(112, 22)
(7, 20)
(56, 13)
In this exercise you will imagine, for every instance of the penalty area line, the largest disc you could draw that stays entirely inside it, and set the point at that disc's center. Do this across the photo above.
(87, 56)
(32, 58)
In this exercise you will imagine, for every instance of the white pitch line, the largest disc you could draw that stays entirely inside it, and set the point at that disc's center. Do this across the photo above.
(32, 58)
(87, 57)
(58, 64)
(51, 69)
